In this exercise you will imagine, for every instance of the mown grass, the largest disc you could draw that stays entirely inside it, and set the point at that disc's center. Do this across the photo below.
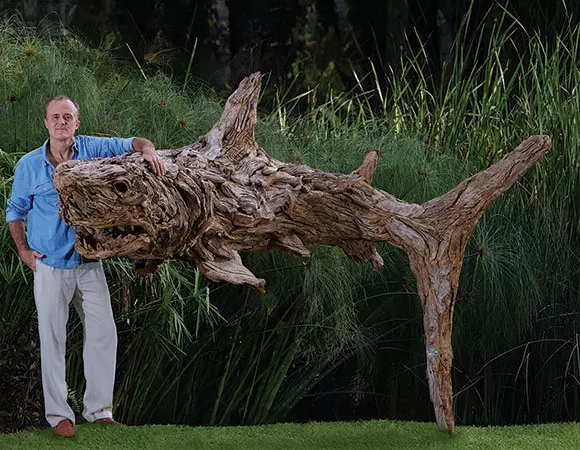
(351, 435)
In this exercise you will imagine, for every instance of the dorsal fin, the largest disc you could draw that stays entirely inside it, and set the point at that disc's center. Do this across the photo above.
(368, 166)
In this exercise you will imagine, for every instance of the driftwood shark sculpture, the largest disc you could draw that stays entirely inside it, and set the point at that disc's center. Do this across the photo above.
(224, 194)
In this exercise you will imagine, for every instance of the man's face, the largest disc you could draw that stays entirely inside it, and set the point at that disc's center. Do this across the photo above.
(62, 120)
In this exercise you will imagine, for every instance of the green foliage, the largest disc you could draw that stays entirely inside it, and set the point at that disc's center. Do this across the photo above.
(316, 54)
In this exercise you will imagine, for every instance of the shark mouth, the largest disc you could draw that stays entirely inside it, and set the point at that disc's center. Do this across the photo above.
(106, 242)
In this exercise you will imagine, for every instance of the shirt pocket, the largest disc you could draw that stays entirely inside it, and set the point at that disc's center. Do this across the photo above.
(45, 193)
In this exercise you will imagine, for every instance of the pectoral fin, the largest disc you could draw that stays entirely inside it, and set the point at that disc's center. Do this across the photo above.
(231, 271)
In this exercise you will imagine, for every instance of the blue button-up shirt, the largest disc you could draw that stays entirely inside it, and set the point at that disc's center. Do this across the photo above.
(34, 195)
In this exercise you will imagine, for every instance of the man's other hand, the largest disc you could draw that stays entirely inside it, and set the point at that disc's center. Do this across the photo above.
(29, 257)
(154, 161)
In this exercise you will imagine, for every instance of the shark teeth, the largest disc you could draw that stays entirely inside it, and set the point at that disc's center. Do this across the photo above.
(99, 239)
(125, 228)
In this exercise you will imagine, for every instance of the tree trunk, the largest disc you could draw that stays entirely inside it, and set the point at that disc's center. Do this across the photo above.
(55, 12)
(341, 11)
(221, 40)
(395, 35)
(445, 34)
(224, 194)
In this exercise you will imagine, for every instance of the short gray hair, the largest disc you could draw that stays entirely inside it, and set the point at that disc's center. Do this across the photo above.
(59, 98)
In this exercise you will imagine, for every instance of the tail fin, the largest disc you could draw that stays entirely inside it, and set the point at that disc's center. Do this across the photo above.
(467, 201)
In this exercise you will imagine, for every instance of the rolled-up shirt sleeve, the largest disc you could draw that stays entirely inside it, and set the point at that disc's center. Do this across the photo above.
(20, 201)
(109, 147)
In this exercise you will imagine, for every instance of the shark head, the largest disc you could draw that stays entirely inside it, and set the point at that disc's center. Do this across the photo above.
(120, 208)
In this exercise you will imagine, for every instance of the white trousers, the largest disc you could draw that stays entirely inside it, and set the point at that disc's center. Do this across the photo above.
(86, 287)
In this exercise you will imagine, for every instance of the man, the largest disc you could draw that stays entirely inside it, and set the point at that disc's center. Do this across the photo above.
(61, 274)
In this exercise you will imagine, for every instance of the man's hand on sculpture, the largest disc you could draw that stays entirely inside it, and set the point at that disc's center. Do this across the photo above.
(29, 257)
(155, 162)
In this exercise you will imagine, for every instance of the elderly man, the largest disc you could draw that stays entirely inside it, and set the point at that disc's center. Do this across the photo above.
(61, 275)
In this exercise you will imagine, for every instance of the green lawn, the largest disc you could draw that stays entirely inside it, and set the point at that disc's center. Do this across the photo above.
(358, 435)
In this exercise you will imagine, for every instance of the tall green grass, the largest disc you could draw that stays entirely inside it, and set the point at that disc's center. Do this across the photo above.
(333, 339)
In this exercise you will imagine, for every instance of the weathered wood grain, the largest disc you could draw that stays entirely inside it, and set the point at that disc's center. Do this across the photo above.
(224, 194)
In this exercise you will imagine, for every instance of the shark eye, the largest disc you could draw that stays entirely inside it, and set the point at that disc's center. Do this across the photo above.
(121, 186)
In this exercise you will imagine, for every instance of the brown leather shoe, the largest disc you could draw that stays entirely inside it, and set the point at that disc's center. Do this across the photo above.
(65, 428)
(106, 420)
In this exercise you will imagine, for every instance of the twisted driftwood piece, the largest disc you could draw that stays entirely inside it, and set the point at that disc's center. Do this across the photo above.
(224, 194)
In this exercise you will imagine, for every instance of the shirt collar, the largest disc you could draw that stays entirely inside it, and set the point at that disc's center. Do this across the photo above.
(74, 154)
